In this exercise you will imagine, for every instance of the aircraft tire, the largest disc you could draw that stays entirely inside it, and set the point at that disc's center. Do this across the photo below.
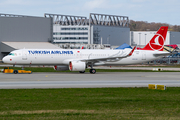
(92, 71)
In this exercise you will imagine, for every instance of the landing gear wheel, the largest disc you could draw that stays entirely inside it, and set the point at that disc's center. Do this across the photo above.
(93, 71)
(81, 71)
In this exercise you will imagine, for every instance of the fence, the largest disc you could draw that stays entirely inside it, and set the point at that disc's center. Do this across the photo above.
(167, 60)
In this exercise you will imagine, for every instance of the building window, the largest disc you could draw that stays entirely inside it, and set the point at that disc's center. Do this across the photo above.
(70, 38)
(64, 33)
(72, 42)
(74, 28)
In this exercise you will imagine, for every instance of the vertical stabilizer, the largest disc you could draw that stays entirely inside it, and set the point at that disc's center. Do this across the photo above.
(157, 42)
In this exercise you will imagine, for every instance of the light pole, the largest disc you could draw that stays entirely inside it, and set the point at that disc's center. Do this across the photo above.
(139, 39)
(108, 39)
(145, 38)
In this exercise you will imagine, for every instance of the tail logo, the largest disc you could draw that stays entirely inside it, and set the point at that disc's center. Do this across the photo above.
(157, 43)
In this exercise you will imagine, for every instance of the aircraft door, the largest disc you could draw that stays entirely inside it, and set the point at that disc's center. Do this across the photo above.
(24, 55)
(78, 54)
(143, 55)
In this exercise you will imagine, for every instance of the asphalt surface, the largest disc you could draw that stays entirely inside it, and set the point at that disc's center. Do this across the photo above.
(141, 68)
(87, 80)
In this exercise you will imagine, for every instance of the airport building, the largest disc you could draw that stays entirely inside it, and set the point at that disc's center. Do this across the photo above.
(97, 29)
(141, 38)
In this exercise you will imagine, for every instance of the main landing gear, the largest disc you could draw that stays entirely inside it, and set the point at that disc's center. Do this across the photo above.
(92, 71)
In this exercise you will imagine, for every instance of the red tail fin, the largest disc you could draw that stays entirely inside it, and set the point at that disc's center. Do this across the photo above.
(157, 42)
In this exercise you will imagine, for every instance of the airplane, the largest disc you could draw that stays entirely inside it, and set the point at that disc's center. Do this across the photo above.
(80, 59)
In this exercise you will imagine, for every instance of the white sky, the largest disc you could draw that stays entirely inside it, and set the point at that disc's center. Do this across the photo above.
(164, 11)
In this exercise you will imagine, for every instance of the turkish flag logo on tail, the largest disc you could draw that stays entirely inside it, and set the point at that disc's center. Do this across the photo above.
(157, 42)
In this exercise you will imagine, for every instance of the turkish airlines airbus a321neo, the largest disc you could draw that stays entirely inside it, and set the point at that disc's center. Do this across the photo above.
(79, 59)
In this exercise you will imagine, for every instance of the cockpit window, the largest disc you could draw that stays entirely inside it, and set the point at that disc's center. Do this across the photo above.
(12, 54)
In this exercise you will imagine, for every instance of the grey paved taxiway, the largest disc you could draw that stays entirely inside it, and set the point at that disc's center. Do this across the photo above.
(87, 80)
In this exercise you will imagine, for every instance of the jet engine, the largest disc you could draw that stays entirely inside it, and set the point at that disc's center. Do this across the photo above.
(77, 66)
(61, 67)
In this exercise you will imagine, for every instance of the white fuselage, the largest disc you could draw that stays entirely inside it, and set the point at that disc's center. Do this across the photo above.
(63, 56)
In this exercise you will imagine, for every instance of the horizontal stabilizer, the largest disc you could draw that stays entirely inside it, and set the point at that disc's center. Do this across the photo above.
(164, 54)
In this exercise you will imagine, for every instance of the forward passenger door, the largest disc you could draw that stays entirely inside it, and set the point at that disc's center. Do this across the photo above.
(24, 55)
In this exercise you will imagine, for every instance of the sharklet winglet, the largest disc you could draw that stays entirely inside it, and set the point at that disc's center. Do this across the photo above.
(132, 51)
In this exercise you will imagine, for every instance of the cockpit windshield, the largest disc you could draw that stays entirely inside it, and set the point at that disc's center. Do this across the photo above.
(12, 54)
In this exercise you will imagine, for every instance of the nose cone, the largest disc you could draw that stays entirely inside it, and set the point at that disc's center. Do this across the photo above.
(4, 60)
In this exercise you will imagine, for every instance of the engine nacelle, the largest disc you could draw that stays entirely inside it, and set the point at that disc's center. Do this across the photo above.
(61, 68)
(77, 66)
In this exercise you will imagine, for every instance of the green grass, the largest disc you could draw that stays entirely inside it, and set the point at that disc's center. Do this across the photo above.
(47, 69)
(90, 103)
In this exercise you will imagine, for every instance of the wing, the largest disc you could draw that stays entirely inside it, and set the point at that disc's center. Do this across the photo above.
(113, 58)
